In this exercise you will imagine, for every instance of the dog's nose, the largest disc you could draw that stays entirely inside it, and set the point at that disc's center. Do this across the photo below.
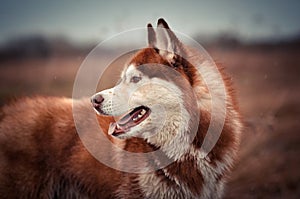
(97, 100)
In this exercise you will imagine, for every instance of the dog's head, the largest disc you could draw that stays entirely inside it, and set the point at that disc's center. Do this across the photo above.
(154, 92)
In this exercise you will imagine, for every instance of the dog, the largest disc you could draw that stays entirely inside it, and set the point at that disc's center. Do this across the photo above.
(161, 103)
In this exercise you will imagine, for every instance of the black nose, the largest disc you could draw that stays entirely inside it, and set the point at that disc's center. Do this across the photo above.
(97, 100)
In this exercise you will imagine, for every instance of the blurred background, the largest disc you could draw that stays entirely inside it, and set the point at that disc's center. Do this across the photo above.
(43, 43)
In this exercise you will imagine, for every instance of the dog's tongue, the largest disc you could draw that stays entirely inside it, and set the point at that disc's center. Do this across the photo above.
(114, 130)
(124, 120)
(122, 125)
(125, 123)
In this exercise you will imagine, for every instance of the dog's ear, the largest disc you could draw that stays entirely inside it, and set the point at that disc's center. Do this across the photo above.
(151, 36)
(167, 43)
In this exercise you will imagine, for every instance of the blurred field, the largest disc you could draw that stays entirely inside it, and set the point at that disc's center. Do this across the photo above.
(268, 90)
(267, 82)
(51, 76)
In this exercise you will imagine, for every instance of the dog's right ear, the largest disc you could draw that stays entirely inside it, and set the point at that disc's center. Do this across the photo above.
(167, 40)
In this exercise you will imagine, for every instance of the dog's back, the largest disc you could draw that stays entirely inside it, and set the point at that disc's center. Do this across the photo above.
(41, 155)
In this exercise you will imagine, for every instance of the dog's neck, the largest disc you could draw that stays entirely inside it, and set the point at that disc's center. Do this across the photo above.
(176, 136)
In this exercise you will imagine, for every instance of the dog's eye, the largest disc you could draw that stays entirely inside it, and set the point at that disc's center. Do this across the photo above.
(135, 79)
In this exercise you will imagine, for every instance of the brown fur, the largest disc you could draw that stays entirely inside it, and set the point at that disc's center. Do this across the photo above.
(43, 157)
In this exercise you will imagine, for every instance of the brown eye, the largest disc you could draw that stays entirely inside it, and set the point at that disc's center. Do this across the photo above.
(135, 79)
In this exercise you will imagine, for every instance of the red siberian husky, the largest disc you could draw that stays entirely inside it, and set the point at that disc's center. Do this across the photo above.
(165, 102)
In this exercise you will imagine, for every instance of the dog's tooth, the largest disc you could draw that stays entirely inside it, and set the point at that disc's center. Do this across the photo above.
(143, 112)
(134, 119)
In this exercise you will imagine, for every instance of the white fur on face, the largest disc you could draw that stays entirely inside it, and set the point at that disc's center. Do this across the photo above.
(168, 120)
(116, 99)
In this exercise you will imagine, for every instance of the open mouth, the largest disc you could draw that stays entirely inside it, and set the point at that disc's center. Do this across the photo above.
(129, 120)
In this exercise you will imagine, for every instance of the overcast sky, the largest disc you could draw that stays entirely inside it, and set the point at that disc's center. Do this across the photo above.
(84, 21)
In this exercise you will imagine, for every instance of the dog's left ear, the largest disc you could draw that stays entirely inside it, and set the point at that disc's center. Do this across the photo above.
(151, 36)
(165, 42)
